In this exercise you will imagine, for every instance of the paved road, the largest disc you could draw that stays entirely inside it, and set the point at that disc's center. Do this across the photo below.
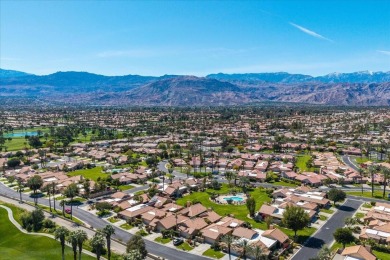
(348, 161)
(325, 234)
(121, 235)
(134, 190)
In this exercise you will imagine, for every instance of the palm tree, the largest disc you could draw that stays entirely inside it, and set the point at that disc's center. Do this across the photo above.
(20, 190)
(244, 181)
(372, 170)
(108, 231)
(81, 237)
(257, 252)
(62, 204)
(47, 189)
(72, 240)
(229, 177)
(228, 240)
(71, 191)
(385, 171)
(361, 172)
(54, 193)
(170, 177)
(60, 233)
(245, 248)
(98, 243)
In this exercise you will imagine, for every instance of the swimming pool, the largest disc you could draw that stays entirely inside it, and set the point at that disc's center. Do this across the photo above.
(234, 198)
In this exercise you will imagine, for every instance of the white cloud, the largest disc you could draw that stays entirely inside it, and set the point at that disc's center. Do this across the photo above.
(310, 32)
(384, 52)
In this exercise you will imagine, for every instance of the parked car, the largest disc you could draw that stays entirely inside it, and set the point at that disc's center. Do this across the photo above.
(177, 241)
(67, 211)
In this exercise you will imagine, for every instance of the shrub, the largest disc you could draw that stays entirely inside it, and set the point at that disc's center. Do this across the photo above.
(33, 220)
(47, 223)
(142, 233)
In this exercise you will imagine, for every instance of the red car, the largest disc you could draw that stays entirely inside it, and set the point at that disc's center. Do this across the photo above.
(67, 211)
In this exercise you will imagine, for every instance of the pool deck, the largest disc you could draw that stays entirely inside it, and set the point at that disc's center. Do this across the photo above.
(222, 199)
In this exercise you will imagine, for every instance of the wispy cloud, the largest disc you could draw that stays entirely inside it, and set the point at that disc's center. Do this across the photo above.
(384, 52)
(310, 32)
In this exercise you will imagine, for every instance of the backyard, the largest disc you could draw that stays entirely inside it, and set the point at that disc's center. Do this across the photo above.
(241, 211)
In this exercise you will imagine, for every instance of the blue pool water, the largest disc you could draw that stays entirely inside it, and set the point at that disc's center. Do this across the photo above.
(233, 198)
(20, 134)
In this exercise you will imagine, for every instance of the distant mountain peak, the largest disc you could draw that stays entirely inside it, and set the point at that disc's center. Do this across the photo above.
(12, 73)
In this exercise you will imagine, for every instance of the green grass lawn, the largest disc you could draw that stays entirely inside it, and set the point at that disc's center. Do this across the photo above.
(367, 205)
(361, 160)
(336, 245)
(17, 143)
(113, 219)
(91, 174)
(323, 218)
(283, 183)
(225, 189)
(16, 245)
(185, 246)
(214, 254)
(367, 194)
(17, 212)
(381, 255)
(126, 226)
(301, 163)
(359, 215)
(329, 211)
(239, 211)
(125, 187)
(302, 235)
(163, 240)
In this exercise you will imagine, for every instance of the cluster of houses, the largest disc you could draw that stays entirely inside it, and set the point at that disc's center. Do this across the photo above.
(377, 222)
(303, 197)
(194, 222)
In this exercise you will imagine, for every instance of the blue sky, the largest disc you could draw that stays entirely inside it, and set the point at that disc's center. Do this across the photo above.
(195, 37)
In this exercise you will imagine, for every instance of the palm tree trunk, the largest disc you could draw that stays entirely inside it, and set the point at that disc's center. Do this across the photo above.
(108, 248)
(63, 250)
(49, 200)
(75, 254)
(98, 253)
(80, 249)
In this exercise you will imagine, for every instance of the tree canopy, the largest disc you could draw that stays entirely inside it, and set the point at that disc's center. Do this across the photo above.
(295, 218)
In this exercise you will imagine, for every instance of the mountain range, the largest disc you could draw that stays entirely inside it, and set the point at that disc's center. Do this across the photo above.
(358, 88)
